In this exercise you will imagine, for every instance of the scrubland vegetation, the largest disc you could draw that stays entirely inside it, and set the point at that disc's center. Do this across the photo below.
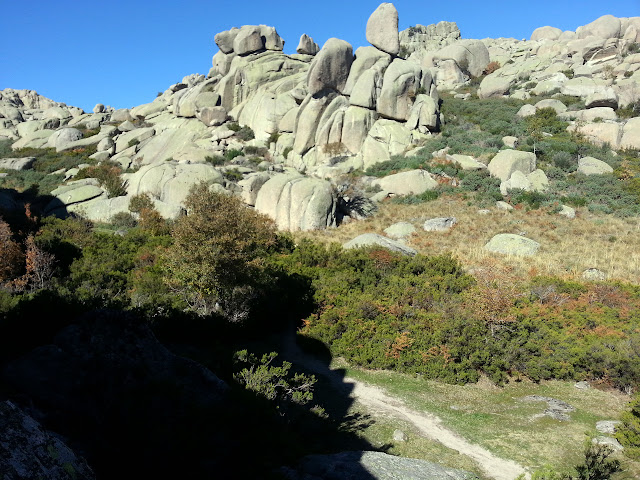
(216, 284)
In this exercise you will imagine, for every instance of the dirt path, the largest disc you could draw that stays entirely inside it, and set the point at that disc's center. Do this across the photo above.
(376, 400)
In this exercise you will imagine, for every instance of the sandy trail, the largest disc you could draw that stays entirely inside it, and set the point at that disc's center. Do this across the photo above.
(376, 400)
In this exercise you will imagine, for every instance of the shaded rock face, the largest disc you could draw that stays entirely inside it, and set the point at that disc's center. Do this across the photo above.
(371, 465)
(108, 375)
(28, 451)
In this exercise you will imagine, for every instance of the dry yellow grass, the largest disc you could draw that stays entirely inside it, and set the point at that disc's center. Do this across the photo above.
(568, 246)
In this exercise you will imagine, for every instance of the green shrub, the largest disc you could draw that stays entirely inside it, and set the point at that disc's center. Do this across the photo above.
(251, 150)
(108, 175)
(243, 133)
(534, 200)
(630, 111)
(234, 127)
(123, 220)
(215, 160)
(233, 174)
(232, 153)
(568, 72)
(565, 161)
(628, 433)
(396, 164)
(427, 196)
(139, 202)
(273, 138)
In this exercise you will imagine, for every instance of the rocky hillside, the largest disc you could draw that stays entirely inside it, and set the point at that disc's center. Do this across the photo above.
(283, 130)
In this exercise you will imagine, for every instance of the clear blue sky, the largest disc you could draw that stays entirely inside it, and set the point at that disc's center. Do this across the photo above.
(122, 53)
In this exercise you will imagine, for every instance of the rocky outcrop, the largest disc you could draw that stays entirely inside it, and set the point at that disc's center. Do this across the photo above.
(296, 202)
(106, 375)
(28, 451)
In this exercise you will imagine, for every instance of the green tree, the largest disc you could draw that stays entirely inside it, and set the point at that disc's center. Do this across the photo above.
(217, 259)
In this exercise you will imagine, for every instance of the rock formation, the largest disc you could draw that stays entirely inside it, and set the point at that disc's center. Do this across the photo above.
(327, 112)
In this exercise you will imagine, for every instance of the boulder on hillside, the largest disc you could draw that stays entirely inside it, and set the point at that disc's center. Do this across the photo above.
(400, 230)
(510, 244)
(466, 162)
(23, 163)
(508, 161)
(495, 85)
(593, 166)
(63, 137)
(413, 182)
(440, 224)
(296, 202)
(382, 29)
(373, 239)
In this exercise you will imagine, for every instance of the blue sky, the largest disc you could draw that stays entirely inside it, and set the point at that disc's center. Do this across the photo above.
(122, 53)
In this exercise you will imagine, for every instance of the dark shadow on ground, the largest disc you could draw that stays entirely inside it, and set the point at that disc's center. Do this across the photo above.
(136, 407)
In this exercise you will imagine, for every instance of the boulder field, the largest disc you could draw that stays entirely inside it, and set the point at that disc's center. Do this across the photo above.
(321, 113)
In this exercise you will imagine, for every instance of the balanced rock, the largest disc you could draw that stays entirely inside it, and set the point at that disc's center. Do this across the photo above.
(225, 39)
(382, 29)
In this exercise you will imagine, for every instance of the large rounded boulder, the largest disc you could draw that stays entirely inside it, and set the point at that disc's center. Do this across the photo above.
(296, 202)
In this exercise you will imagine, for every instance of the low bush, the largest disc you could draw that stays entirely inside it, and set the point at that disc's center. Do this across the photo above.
(231, 154)
(108, 175)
